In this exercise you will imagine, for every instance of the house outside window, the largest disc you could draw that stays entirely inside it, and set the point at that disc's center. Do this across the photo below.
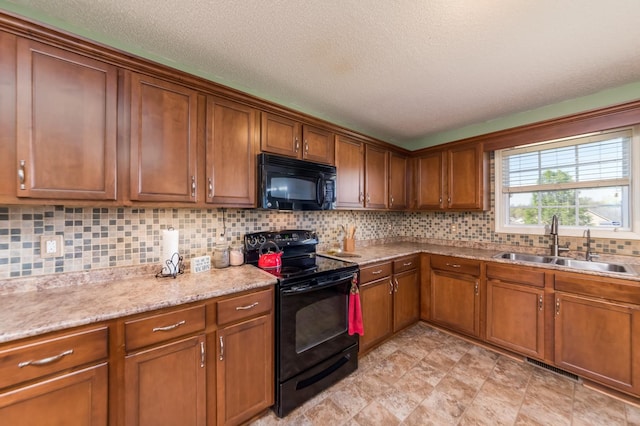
(587, 181)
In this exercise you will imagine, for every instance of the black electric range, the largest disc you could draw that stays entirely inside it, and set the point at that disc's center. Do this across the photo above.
(313, 347)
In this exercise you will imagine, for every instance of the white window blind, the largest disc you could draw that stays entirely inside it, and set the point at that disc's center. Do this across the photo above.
(584, 180)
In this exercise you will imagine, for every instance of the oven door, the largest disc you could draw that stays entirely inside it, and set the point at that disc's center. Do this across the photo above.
(313, 323)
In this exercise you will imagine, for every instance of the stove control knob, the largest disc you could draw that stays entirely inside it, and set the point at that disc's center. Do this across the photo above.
(261, 239)
(252, 241)
(308, 235)
(294, 237)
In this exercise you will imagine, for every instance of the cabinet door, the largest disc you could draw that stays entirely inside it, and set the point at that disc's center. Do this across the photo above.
(318, 145)
(465, 182)
(280, 135)
(8, 163)
(78, 398)
(376, 300)
(429, 185)
(598, 340)
(455, 301)
(231, 153)
(245, 370)
(406, 299)
(163, 140)
(515, 317)
(166, 384)
(65, 124)
(350, 178)
(398, 171)
(376, 177)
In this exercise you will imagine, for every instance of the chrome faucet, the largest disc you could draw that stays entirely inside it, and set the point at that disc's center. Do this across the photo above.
(553, 232)
(589, 255)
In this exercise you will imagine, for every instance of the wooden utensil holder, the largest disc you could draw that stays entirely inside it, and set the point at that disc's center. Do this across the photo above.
(349, 244)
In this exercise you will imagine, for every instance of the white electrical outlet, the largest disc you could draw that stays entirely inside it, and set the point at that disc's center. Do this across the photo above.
(200, 264)
(51, 246)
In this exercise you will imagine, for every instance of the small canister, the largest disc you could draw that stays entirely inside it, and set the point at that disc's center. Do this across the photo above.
(236, 255)
(221, 255)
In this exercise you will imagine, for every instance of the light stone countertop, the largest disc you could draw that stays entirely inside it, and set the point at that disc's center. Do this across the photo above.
(45, 309)
(36, 305)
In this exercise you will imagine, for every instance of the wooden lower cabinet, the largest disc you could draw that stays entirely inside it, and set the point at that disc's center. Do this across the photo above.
(377, 312)
(455, 296)
(598, 340)
(245, 370)
(406, 296)
(78, 398)
(166, 384)
(516, 309)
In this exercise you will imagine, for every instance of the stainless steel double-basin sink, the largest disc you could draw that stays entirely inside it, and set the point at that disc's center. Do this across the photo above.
(584, 265)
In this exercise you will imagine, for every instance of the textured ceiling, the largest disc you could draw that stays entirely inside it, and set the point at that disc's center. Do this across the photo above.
(396, 70)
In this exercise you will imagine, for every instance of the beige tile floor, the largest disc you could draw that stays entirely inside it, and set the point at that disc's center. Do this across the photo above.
(427, 377)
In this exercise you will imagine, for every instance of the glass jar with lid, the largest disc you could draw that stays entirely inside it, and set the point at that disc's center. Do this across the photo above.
(236, 255)
(221, 255)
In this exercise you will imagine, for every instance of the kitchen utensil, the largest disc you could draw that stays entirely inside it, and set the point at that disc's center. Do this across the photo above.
(270, 259)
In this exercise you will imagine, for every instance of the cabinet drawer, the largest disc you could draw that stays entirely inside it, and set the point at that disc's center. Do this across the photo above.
(375, 272)
(601, 287)
(50, 355)
(246, 306)
(405, 264)
(516, 274)
(456, 264)
(158, 328)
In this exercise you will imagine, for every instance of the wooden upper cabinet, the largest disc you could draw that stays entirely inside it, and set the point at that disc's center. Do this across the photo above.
(66, 124)
(429, 175)
(164, 123)
(8, 163)
(376, 177)
(452, 179)
(284, 136)
(467, 185)
(231, 146)
(398, 172)
(318, 145)
(350, 179)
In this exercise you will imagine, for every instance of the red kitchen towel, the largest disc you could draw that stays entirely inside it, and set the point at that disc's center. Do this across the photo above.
(355, 312)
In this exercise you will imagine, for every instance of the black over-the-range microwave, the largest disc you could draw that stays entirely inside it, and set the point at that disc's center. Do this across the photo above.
(290, 184)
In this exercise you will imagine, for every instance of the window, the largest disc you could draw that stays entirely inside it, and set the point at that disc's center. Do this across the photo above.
(586, 181)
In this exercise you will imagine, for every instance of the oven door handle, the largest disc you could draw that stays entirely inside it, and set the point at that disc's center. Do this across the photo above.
(320, 191)
(306, 289)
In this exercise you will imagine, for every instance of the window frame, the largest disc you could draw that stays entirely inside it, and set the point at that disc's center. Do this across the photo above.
(633, 233)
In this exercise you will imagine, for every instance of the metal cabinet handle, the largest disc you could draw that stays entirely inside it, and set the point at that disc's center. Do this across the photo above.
(391, 201)
(45, 361)
(475, 288)
(297, 144)
(396, 284)
(407, 264)
(169, 327)
(244, 308)
(557, 306)
(193, 186)
(454, 265)
(390, 286)
(368, 198)
(221, 358)
(210, 188)
(540, 302)
(440, 200)
(378, 272)
(202, 355)
(361, 198)
(21, 174)
(306, 146)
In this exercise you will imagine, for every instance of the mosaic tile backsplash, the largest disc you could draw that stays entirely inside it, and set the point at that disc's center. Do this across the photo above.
(113, 237)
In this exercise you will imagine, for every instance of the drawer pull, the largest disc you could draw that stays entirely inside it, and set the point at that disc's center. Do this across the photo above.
(202, 355)
(244, 308)
(45, 361)
(395, 280)
(221, 358)
(169, 327)
(407, 264)
(454, 265)
(390, 286)
(378, 272)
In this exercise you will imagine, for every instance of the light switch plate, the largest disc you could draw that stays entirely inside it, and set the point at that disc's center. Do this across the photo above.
(51, 246)
(200, 264)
